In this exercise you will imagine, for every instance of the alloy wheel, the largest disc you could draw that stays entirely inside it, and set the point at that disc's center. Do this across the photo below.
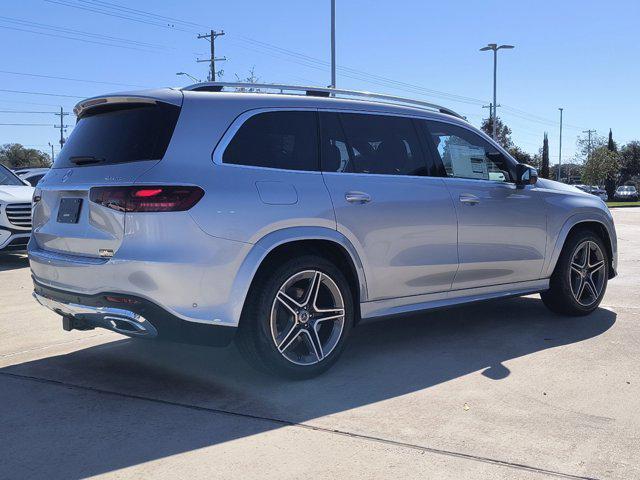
(307, 317)
(587, 273)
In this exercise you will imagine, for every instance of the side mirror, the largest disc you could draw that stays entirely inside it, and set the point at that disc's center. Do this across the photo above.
(525, 175)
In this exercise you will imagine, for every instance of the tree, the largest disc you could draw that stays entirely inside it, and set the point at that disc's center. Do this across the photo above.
(582, 144)
(520, 155)
(503, 133)
(611, 145)
(251, 78)
(630, 161)
(602, 165)
(14, 155)
(610, 181)
(544, 169)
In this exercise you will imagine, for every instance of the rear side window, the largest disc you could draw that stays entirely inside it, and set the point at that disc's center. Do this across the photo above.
(374, 144)
(287, 140)
(119, 133)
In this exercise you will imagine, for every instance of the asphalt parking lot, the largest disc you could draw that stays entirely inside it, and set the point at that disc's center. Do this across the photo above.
(498, 390)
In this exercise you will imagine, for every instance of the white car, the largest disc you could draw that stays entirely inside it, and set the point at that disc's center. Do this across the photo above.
(15, 210)
(32, 175)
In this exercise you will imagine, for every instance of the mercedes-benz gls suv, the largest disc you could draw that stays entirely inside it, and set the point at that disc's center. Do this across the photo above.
(281, 220)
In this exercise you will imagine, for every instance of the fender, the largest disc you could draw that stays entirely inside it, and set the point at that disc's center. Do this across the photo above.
(572, 221)
(266, 244)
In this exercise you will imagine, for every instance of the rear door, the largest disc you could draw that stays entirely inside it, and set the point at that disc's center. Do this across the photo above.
(113, 143)
(399, 217)
(501, 229)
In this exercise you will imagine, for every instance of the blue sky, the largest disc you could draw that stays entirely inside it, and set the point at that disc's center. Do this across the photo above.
(579, 55)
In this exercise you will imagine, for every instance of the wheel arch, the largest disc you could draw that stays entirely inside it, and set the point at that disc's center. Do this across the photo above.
(601, 227)
(298, 240)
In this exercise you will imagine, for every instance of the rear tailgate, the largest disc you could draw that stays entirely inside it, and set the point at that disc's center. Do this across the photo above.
(116, 139)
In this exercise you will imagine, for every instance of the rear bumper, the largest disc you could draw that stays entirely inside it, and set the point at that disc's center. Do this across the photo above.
(128, 315)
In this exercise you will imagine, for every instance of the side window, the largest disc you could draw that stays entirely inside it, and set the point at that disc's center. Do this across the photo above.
(334, 150)
(376, 144)
(465, 154)
(287, 140)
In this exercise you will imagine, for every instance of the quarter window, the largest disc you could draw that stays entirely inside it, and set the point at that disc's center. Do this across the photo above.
(374, 144)
(465, 154)
(286, 140)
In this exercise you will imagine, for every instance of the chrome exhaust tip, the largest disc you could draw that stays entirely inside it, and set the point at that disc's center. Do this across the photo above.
(115, 319)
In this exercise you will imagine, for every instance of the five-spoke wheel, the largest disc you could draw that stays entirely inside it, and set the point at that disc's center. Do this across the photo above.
(580, 278)
(297, 317)
(587, 273)
(307, 317)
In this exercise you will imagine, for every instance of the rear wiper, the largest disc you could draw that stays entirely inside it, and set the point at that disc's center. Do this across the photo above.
(85, 160)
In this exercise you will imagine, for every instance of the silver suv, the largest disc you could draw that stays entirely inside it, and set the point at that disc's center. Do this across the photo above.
(281, 220)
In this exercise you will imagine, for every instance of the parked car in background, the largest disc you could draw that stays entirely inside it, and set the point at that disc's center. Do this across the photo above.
(594, 190)
(282, 220)
(626, 193)
(15, 210)
(599, 192)
(32, 175)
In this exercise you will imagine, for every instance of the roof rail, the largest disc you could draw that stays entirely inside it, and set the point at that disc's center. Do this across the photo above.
(317, 92)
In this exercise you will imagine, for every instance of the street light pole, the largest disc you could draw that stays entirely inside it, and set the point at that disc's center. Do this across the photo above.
(333, 44)
(495, 89)
(494, 47)
(560, 148)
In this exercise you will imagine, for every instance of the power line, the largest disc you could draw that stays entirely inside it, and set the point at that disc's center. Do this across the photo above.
(26, 124)
(116, 15)
(40, 93)
(23, 111)
(117, 6)
(81, 36)
(72, 79)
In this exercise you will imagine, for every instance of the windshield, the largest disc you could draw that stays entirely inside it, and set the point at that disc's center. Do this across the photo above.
(627, 188)
(8, 178)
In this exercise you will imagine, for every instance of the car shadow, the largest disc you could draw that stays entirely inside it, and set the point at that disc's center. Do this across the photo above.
(73, 433)
(13, 261)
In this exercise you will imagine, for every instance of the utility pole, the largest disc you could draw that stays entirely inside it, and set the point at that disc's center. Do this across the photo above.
(51, 145)
(333, 44)
(490, 107)
(211, 36)
(560, 147)
(589, 132)
(62, 125)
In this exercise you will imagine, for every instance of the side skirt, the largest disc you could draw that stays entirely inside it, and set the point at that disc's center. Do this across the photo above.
(429, 301)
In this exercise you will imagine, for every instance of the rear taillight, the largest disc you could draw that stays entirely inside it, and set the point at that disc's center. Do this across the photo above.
(147, 198)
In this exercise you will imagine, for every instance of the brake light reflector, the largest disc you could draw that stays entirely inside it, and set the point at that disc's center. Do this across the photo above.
(154, 198)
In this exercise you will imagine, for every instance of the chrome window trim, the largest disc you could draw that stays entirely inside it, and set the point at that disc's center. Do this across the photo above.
(236, 124)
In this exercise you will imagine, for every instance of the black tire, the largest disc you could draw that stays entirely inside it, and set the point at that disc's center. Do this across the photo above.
(560, 297)
(255, 340)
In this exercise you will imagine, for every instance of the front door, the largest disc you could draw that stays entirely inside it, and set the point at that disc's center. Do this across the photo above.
(387, 203)
(501, 228)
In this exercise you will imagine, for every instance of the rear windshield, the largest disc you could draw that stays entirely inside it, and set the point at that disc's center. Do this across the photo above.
(119, 133)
